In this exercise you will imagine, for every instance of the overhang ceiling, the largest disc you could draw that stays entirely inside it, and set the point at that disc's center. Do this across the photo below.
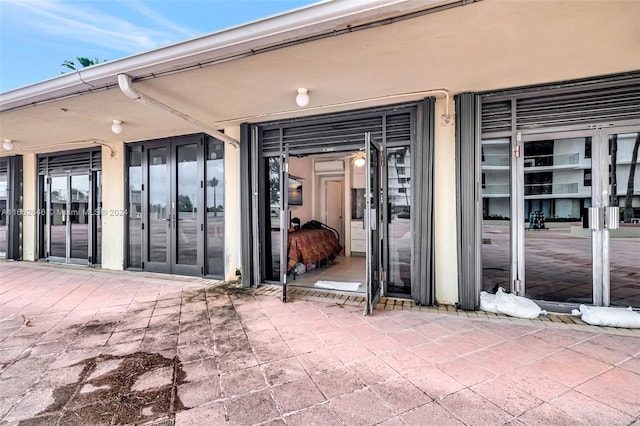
(482, 46)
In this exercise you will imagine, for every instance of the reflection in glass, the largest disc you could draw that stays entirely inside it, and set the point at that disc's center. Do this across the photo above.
(399, 227)
(273, 219)
(45, 218)
(158, 206)
(624, 242)
(79, 217)
(215, 208)
(58, 216)
(135, 207)
(374, 247)
(3, 210)
(558, 260)
(187, 202)
(496, 214)
(98, 217)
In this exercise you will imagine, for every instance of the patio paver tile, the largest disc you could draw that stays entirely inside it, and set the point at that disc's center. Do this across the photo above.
(212, 414)
(337, 382)
(511, 399)
(400, 395)
(361, 408)
(297, 395)
(252, 408)
(255, 360)
(241, 382)
(547, 415)
(589, 410)
(318, 415)
(432, 413)
(617, 388)
(474, 409)
(199, 393)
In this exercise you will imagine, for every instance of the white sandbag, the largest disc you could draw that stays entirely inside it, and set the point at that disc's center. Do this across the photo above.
(516, 306)
(609, 317)
(488, 302)
(509, 304)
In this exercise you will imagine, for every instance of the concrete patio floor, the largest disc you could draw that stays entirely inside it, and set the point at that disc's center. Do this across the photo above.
(106, 347)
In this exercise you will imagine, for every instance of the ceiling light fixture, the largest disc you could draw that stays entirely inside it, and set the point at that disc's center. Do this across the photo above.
(116, 127)
(359, 160)
(302, 98)
(7, 145)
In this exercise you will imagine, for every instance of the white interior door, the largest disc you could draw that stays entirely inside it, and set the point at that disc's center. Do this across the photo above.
(334, 206)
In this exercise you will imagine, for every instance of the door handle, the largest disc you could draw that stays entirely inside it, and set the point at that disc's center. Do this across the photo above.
(595, 218)
(604, 217)
(612, 217)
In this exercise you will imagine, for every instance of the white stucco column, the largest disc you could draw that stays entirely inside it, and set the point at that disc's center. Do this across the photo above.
(232, 211)
(445, 207)
(30, 207)
(113, 205)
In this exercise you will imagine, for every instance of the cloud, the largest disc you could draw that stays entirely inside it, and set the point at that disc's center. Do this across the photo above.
(80, 22)
(151, 14)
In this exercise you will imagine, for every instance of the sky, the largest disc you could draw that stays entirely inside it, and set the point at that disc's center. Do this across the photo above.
(37, 36)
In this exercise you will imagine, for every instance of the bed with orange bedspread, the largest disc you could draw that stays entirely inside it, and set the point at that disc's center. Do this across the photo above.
(311, 246)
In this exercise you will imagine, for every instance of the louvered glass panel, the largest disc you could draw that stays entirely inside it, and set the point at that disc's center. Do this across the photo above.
(398, 128)
(496, 116)
(333, 136)
(592, 106)
(75, 162)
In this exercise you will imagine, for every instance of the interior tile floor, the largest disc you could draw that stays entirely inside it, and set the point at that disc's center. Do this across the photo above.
(342, 269)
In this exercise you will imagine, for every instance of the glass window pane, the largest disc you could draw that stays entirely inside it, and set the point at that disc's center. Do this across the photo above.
(215, 208)
(399, 227)
(624, 243)
(44, 217)
(98, 217)
(79, 217)
(159, 185)
(557, 248)
(3, 212)
(272, 246)
(187, 219)
(496, 214)
(58, 216)
(135, 207)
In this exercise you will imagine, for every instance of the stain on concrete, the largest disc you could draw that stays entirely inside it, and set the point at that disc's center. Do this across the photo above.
(113, 398)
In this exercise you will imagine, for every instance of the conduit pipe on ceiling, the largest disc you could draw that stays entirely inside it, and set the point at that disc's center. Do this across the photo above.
(79, 142)
(126, 86)
(444, 119)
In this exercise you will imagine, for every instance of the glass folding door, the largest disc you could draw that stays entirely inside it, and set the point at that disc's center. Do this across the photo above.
(69, 215)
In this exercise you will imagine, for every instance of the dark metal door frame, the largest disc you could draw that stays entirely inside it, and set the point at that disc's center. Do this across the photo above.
(284, 218)
(171, 265)
(264, 140)
(148, 265)
(373, 223)
(67, 219)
